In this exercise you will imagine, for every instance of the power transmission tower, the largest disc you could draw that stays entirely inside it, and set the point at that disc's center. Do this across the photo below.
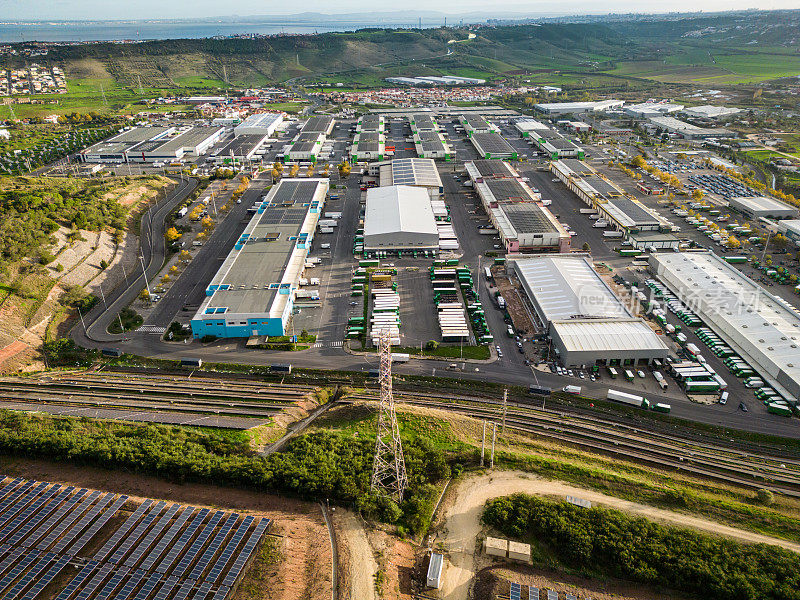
(389, 470)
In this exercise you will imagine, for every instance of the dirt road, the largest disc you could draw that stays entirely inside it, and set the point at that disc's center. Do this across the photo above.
(358, 581)
(462, 521)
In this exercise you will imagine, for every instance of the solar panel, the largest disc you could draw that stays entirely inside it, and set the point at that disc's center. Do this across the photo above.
(11, 559)
(150, 560)
(15, 495)
(122, 531)
(184, 591)
(15, 509)
(89, 516)
(515, 592)
(189, 557)
(223, 532)
(533, 593)
(167, 588)
(148, 587)
(116, 578)
(96, 526)
(40, 516)
(94, 583)
(30, 576)
(13, 573)
(552, 595)
(247, 551)
(131, 539)
(230, 548)
(572, 597)
(44, 527)
(23, 516)
(77, 581)
(145, 544)
(69, 520)
(10, 486)
(172, 555)
(222, 591)
(48, 577)
(202, 592)
(130, 585)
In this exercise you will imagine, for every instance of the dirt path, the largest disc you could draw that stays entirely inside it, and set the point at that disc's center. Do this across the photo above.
(462, 520)
(359, 578)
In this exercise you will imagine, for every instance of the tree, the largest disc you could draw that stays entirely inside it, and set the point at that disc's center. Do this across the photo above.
(173, 269)
(294, 170)
(172, 234)
(144, 295)
(586, 247)
(638, 162)
(344, 169)
(207, 223)
(697, 194)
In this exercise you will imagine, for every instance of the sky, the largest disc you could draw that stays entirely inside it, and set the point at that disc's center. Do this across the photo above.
(155, 9)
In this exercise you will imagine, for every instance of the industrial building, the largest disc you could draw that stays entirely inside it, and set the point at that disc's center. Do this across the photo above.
(646, 110)
(709, 111)
(523, 224)
(253, 292)
(492, 145)
(791, 229)
(587, 323)
(371, 122)
(548, 140)
(687, 130)
(193, 142)
(416, 172)
(240, 149)
(575, 108)
(481, 170)
(263, 124)
(115, 149)
(526, 125)
(368, 145)
(399, 218)
(306, 146)
(762, 328)
(476, 124)
(323, 125)
(763, 206)
(431, 144)
(422, 122)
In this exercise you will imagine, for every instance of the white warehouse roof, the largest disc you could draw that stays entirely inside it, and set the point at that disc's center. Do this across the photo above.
(710, 111)
(600, 336)
(566, 287)
(399, 216)
(756, 324)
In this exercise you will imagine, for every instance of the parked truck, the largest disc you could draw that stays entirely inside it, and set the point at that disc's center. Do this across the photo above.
(572, 389)
(612, 234)
(625, 398)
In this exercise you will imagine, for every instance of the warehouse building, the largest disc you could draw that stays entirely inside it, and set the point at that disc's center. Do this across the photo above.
(528, 125)
(416, 172)
(492, 145)
(422, 122)
(192, 143)
(240, 149)
(687, 130)
(306, 146)
(481, 170)
(587, 323)
(791, 229)
(368, 145)
(323, 125)
(263, 124)
(115, 149)
(253, 292)
(371, 122)
(476, 124)
(763, 206)
(431, 144)
(576, 108)
(399, 218)
(757, 325)
(645, 110)
(709, 111)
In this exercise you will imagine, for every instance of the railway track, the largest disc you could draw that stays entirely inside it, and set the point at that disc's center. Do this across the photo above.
(723, 465)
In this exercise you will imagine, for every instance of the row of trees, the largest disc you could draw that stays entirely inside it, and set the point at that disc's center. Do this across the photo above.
(613, 544)
(314, 466)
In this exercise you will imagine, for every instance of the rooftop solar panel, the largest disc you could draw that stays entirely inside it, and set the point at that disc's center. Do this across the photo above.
(198, 544)
(40, 516)
(29, 510)
(145, 544)
(634, 211)
(89, 588)
(78, 580)
(116, 578)
(179, 546)
(81, 525)
(167, 588)
(127, 590)
(68, 506)
(164, 542)
(241, 559)
(491, 144)
(223, 532)
(148, 587)
(69, 520)
(230, 548)
(44, 581)
(96, 526)
(9, 575)
(122, 531)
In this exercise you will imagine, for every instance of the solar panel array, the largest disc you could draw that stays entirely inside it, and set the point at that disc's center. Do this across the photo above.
(491, 144)
(515, 593)
(533, 593)
(45, 527)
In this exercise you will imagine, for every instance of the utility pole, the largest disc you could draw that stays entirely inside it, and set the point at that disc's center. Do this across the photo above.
(103, 92)
(494, 437)
(483, 442)
(389, 470)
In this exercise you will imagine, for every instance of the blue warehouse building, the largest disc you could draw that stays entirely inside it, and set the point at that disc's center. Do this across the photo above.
(253, 292)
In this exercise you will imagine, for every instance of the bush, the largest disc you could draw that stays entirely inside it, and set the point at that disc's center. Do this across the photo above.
(613, 544)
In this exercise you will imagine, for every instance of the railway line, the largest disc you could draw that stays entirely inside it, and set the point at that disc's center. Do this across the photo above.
(707, 460)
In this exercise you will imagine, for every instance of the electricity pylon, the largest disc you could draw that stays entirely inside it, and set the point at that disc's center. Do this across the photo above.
(389, 470)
